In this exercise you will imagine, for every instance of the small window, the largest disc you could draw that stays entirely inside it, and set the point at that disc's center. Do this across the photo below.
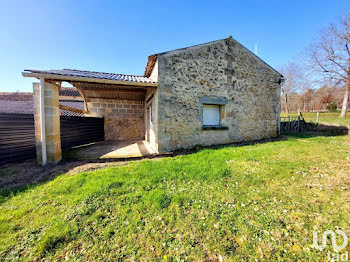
(211, 115)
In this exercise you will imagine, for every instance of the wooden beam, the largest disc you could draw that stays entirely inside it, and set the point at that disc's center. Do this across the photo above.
(56, 83)
(114, 90)
(150, 95)
(68, 108)
(86, 99)
(72, 98)
(87, 79)
(110, 87)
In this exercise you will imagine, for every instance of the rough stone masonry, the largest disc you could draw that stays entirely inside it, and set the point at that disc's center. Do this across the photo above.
(246, 88)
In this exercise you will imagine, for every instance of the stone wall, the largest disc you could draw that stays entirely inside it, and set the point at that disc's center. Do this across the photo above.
(124, 119)
(222, 70)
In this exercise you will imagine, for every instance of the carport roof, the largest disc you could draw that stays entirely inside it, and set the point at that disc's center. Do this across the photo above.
(90, 76)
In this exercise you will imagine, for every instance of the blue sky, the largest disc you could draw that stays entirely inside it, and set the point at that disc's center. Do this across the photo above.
(117, 36)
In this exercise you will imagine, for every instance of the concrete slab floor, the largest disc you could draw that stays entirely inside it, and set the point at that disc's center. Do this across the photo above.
(112, 149)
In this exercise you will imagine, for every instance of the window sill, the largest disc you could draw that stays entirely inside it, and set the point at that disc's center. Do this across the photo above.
(214, 128)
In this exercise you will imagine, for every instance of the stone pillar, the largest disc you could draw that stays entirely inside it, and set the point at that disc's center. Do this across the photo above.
(37, 123)
(52, 122)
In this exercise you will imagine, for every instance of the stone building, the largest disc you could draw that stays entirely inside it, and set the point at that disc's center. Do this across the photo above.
(213, 93)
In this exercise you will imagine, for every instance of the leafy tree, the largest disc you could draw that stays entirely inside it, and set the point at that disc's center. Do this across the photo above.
(332, 106)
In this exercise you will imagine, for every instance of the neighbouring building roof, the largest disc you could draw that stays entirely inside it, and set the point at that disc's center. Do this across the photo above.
(90, 75)
(16, 107)
(22, 102)
(27, 107)
(68, 91)
(75, 104)
(27, 96)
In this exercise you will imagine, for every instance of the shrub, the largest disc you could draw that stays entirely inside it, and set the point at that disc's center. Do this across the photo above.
(332, 106)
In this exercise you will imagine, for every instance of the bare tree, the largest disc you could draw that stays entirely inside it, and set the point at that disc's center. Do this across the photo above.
(326, 100)
(329, 57)
(291, 83)
(307, 96)
(313, 99)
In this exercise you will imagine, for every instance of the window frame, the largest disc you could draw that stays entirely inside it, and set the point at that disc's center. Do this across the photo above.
(213, 100)
(203, 105)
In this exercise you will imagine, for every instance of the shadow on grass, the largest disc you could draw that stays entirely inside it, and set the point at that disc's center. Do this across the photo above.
(314, 130)
(19, 177)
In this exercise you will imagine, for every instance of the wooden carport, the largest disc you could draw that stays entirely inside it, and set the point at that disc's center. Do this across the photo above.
(89, 84)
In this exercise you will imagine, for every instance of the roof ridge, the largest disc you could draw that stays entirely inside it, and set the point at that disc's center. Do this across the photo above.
(186, 47)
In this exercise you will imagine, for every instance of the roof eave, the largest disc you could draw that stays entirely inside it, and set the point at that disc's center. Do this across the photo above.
(87, 79)
(150, 65)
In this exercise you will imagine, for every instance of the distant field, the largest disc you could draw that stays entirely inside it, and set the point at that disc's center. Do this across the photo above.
(325, 118)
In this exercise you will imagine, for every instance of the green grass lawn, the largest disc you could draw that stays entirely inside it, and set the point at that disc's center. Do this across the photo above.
(236, 203)
(325, 117)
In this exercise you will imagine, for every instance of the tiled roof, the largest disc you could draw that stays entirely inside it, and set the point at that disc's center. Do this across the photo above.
(16, 107)
(26, 96)
(26, 107)
(75, 104)
(91, 74)
(68, 91)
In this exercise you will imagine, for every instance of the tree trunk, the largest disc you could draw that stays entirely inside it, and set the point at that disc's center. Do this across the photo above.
(344, 108)
(286, 100)
(345, 102)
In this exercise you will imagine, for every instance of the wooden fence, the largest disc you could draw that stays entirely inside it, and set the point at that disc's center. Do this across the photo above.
(17, 134)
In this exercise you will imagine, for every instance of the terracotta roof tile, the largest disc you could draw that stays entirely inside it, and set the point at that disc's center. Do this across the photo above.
(68, 91)
(16, 107)
(26, 107)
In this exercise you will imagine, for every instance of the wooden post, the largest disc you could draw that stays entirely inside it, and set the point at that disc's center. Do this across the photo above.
(289, 124)
(317, 117)
(298, 124)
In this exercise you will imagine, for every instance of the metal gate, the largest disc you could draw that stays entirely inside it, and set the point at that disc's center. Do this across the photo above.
(290, 124)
